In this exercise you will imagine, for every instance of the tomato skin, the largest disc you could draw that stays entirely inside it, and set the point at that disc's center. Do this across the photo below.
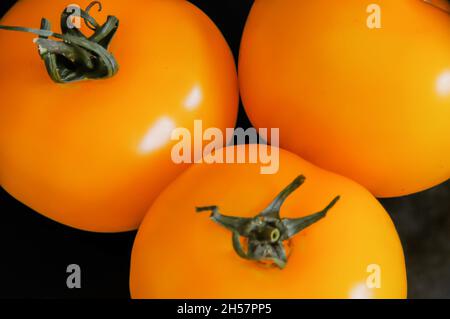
(369, 104)
(182, 254)
(93, 155)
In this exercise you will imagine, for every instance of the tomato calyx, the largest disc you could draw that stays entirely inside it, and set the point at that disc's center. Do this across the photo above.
(266, 233)
(76, 57)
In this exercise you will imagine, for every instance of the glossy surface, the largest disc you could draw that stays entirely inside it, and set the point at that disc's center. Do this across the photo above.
(182, 254)
(93, 155)
(370, 104)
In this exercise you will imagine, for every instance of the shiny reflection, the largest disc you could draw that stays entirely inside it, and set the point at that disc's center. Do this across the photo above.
(443, 84)
(360, 291)
(158, 135)
(194, 98)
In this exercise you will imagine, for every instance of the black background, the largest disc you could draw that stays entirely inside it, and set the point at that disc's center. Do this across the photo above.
(35, 251)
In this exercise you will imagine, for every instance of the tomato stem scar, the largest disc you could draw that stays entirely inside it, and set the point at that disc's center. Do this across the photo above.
(266, 232)
(76, 57)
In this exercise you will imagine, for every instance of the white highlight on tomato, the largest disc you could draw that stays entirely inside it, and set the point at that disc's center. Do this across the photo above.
(443, 83)
(158, 135)
(361, 291)
(194, 98)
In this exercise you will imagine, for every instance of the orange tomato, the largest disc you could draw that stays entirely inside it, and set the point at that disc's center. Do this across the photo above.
(371, 104)
(179, 253)
(94, 154)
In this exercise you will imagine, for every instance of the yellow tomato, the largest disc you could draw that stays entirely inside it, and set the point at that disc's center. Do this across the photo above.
(353, 252)
(94, 154)
(369, 103)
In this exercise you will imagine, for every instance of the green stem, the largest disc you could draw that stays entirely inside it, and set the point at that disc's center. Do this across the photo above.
(268, 234)
(266, 231)
(76, 57)
(39, 32)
